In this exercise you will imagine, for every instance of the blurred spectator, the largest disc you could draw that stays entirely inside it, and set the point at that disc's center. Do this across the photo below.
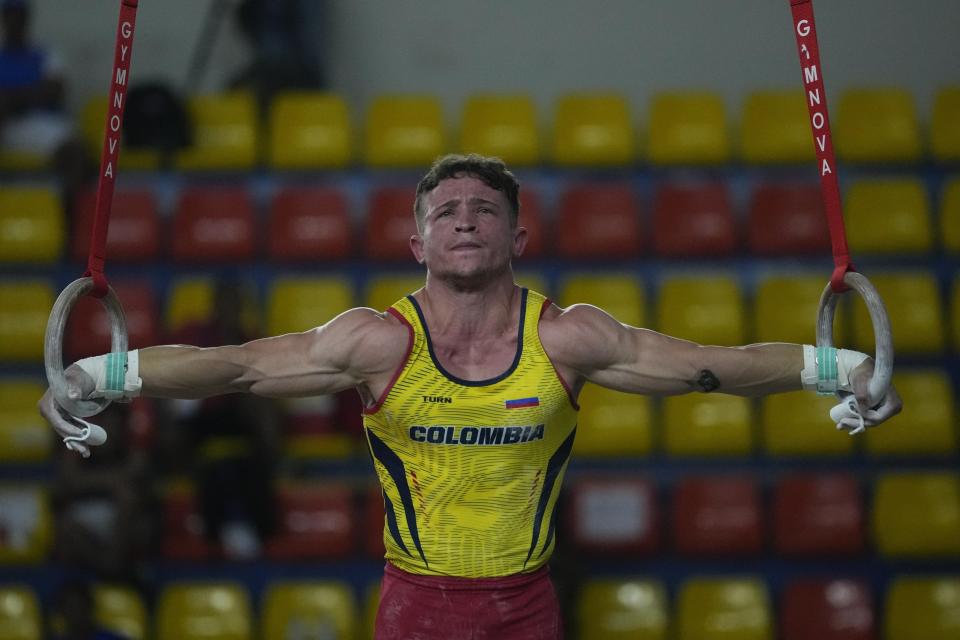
(73, 614)
(231, 443)
(32, 115)
(104, 510)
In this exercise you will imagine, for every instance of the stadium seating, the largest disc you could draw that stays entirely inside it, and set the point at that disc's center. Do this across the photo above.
(693, 220)
(93, 119)
(389, 224)
(20, 613)
(828, 610)
(598, 221)
(798, 424)
(613, 424)
(785, 309)
(706, 309)
(818, 514)
(619, 294)
(26, 527)
(315, 521)
(950, 216)
(927, 426)
(374, 517)
(616, 516)
(775, 129)
(717, 515)
(945, 125)
(226, 135)
(88, 328)
(309, 130)
(532, 219)
(724, 609)
(203, 610)
(121, 610)
(404, 131)
(309, 609)
(189, 300)
(707, 425)
(12, 160)
(309, 224)
(214, 224)
(298, 304)
(383, 290)
(688, 129)
(503, 126)
(888, 217)
(925, 607)
(25, 305)
(370, 607)
(31, 225)
(312, 430)
(877, 125)
(182, 536)
(134, 234)
(787, 218)
(24, 436)
(624, 609)
(917, 514)
(913, 301)
(593, 130)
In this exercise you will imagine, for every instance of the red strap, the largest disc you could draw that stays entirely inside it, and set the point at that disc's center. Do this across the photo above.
(804, 28)
(119, 81)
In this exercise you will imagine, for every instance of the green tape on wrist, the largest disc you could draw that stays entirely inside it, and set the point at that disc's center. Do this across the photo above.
(827, 374)
(116, 366)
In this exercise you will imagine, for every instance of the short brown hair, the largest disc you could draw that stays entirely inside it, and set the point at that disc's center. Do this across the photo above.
(491, 171)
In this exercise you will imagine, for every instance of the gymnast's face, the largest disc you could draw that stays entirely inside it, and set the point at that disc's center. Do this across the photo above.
(468, 235)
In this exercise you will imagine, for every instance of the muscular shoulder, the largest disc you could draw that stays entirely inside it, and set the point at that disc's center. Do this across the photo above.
(364, 340)
(580, 336)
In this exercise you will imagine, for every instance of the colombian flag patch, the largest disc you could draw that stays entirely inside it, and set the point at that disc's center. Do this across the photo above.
(521, 403)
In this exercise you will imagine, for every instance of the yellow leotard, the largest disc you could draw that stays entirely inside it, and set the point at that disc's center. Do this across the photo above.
(471, 470)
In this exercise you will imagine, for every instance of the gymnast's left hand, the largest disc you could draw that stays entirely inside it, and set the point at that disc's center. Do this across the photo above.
(78, 434)
(857, 411)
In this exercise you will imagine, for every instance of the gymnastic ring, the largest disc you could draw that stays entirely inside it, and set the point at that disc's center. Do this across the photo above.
(883, 360)
(53, 343)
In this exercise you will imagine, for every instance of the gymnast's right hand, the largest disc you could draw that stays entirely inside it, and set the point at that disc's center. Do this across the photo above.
(78, 434)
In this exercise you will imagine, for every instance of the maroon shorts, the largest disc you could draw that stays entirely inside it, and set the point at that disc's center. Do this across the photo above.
(518, 607)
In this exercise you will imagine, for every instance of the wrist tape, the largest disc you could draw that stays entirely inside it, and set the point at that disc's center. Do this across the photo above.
(827, 370)
(116, 375)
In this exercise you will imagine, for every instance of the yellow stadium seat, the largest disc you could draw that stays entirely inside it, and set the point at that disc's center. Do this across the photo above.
(310, 130)
(877, 125)
(225, 133)
(190, 300)
(11, 160)
(945, 125)
(24, 436)
(950, 216)
(31, 225)
(620, 295)
(121, 610)
(299, 304)
(916, 314)
(203, 611)
(309, 610)
(613, 424)
(593, 129)
(785, 310)
(24, 308)
(404, 131)
(927, 426)
(707, 425)
(776, 129)
(688, 129)
(370, 606)
(383, 291)
(888, 216)
(955, 313)
(623, 610)
(19, 614)
(93, 120)
(26, 529)
(798, 424)
(503, 126)
(532, 280)
(917, 514)
(926, 608)
(706, 309)
(724, 609)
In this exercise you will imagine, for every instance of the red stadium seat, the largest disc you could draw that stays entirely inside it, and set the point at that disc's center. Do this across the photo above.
(182, 537)
(614, 515)
(693, 220)
(134, 234)
(717, 515)
(315, 521)
(818, 514)
(389, 224)
(787, 219)
(531, 217)
(599, 221)
(214, 224)
(828, 610)
(88, 329)
(373, 522)
(309, 224)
